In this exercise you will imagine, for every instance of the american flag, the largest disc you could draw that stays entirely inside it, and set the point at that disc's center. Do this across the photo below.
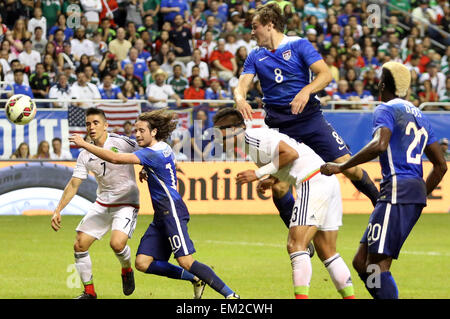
(116, 115)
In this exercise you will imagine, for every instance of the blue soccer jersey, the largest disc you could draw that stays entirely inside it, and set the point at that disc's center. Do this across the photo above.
(158, 161)
(283, 73)
(401, 163)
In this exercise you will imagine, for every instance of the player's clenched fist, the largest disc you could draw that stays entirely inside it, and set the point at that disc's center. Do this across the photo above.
(246, 177)
(56, 221)
(329, 169)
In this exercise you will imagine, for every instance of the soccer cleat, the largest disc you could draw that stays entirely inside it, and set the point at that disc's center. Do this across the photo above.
(310, 250)
(85, 295)
(128, 283)
(233, 296)
(199, 287)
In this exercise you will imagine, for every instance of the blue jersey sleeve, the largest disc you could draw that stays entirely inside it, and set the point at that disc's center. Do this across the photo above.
(307, 52)
(249, 64)
(147, 157)
(383, 117)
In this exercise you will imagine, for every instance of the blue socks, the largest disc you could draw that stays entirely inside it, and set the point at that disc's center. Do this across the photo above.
(388, 289)
(367, 187)
(285, 205)
(164, 268)
(206, 274)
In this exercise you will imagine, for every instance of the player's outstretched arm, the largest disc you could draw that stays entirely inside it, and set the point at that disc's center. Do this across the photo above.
(240, 94)
(69, 192)
(372, 150)
(286, 155)
(436, 157)
(107, 155)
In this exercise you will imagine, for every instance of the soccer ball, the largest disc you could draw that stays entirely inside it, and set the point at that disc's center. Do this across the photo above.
(20, 109)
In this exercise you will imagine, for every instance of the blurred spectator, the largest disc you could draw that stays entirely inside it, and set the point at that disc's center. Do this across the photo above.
(231, 43)
(128, 130)
(84, 62)
(19, 86)
(18, 34)
(40, 84)
(51, 67)
(211, 26)
(84, 90)
(206, 46)
(241, 56)
(120, 45)
(215, 92)
(129, 76)
(163, 38)
(109, 11)
(81, 45)
(181, 39)
(171, 61)
(58, 41)
(423, 15)
(361, 95)
(195, 72)
(108, 63)
(28, 56)
(247, 40)
(197, 61)
(370, 61)
(37, 21)
(394, 54)
(444, 95)
(342, 94)
(196, 21)
(135, 11)
(142, 52)
(170, 9)
(151, 9)
(195, 91)
(437, 78)
(200, 135)
(330, 61)
(213, 10)
(158, 93)
(129, 91)
(315, 8)
(43, 151)
(357, 54)
(15, 65)
(90, 75)
(57, 152)
(415, 88)
(91, 11)
(107, 33)
(140, 68)
(223, 61)
(153, 66)
(345, 14)
(60, 91)
(22, 152)
(131, 32)
(51, 10)
(109, 91)
(177, 81)
(60, 25)
(66, 58)
(428, 94)
(443, 144)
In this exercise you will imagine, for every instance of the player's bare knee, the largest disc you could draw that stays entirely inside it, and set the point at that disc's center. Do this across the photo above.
(117, 245)
(142, 264)
(79, 247)
(185, 262)
(295, 245)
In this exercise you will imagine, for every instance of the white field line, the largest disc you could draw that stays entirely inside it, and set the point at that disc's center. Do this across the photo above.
(245, 243)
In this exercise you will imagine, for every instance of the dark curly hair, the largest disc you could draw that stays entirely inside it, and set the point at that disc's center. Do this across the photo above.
(162, 120)
(229, 112)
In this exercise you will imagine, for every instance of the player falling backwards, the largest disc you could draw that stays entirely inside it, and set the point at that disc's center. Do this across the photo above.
(317, 212)
(115, 208)
(401, 133)
(285, 65)
(168, 232)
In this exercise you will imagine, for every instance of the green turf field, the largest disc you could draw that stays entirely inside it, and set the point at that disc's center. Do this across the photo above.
(247, 252)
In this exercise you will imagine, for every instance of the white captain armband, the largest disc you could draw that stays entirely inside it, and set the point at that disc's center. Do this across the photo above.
(268, 169)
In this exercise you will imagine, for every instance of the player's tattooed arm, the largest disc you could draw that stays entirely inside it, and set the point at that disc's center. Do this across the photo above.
(107, 155)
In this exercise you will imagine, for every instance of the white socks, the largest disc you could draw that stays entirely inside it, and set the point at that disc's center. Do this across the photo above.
(340, 275)
(125, 257)
(83, 265)
(301, 273)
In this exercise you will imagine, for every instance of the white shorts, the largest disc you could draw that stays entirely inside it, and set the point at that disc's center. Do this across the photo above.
(100, 219)
(318, 204)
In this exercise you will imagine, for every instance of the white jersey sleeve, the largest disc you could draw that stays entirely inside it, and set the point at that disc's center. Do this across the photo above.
(263, 144)
(80, 170)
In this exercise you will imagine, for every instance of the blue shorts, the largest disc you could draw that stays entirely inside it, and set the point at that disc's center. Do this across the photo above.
(167, 234)
(317, 133)
(389, 226)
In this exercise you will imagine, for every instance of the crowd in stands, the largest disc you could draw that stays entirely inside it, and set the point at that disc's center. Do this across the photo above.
(195, 49)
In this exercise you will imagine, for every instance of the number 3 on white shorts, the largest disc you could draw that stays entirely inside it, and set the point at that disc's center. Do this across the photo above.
(278, 75)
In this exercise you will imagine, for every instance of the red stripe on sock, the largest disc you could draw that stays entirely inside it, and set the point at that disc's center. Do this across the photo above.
(126, 270)
(301, 296)
(350, 297)
(89, 289)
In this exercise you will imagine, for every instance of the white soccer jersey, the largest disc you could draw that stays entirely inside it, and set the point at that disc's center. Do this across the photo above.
(262, 146)
(116, 182)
